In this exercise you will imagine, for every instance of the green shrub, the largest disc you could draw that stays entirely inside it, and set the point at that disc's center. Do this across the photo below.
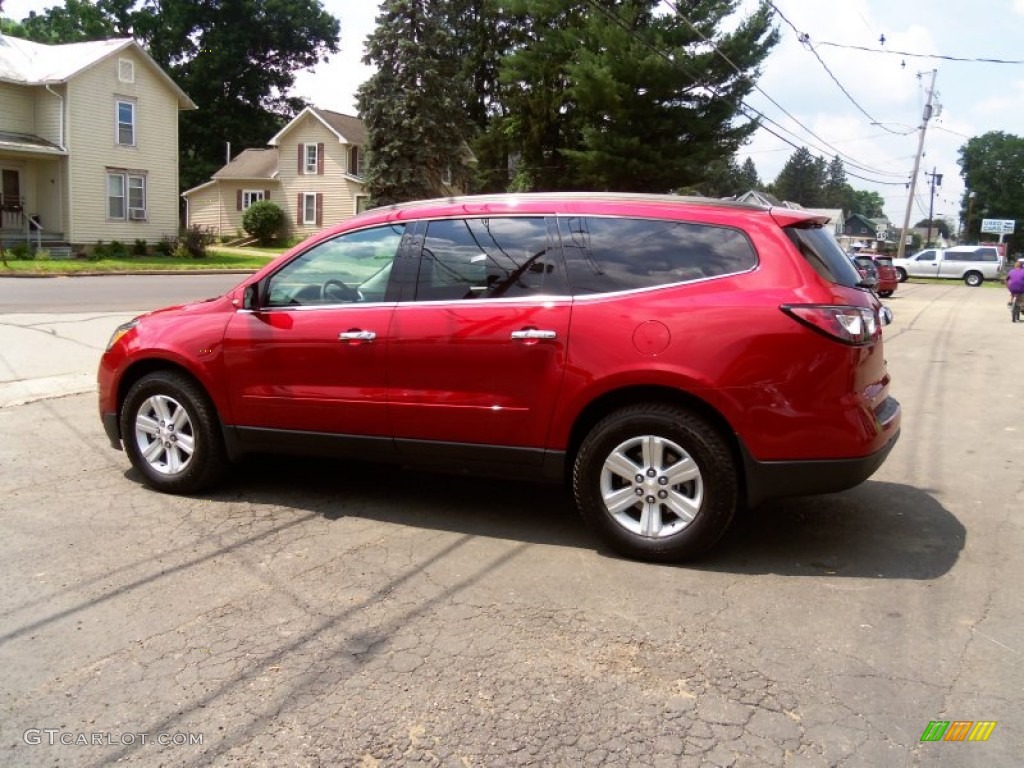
(20, 251)
(263, 220)
(181, 251)
(141, 247)
(196, 239)
(99, 251)
(117, 250)
(166, 246)
(42, 255)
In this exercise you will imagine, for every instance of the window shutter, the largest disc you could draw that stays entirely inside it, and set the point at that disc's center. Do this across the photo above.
(320, 159)
(319, 209)
(298, 210)
(238, 200)
(302, 148)
(266, 194)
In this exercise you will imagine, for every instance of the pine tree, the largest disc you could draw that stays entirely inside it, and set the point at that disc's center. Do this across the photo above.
(413, 106)
(801, 179)
(748, 176)
(836, 189)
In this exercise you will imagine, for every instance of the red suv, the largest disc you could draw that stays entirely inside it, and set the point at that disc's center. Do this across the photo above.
(670, 358)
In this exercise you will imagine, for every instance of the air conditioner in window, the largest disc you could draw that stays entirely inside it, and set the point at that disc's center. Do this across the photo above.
(137, 214)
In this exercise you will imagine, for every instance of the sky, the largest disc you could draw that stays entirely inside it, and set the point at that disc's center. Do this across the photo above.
(874, 129)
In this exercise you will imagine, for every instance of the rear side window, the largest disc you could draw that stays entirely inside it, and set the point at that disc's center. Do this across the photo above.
(820, 249)
(883, 261)
(603, 255)
(488, 258)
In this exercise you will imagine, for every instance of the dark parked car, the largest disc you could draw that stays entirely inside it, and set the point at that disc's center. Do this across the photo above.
(671, 359)
(886, 275)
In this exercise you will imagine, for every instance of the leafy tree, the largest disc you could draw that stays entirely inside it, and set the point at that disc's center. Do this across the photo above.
(938, 226)
(870, 204)
(801, 180)
(236, 59)
(992, 166)
(263, 220)
(415, 122)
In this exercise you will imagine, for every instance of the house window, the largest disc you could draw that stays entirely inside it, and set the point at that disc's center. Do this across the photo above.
(126, 70)
(137, 198)
(355, 162)
(126, 123)
(250, 196)
(115, 196)
(362, 203)
(309, 208)
(311, 158)
(126, 196)
(446, 175)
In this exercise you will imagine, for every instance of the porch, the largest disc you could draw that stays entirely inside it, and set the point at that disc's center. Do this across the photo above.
(17, 227)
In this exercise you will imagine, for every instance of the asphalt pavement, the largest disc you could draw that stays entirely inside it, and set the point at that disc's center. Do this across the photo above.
(316, 613)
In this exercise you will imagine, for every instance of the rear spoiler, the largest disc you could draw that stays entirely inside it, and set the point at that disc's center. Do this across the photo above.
(794, 217)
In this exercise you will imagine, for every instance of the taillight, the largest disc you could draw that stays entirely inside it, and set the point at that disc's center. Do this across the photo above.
(850, 325)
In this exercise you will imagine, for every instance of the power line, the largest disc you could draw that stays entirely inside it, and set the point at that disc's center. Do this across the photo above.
(804, 39)
(850, 160)
(923, 55)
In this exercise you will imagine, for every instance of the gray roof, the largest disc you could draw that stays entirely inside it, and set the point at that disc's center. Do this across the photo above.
(26, 142)
(251, 164)
(28, 63)
(349, 127)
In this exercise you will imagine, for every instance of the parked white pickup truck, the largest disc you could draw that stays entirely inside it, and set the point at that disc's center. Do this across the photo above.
(974, 264)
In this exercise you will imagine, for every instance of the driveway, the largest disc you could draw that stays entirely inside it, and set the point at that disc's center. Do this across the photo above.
(315, 613)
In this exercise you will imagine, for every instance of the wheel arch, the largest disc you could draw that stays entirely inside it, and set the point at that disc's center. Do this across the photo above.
(146, 366)
(613, 400)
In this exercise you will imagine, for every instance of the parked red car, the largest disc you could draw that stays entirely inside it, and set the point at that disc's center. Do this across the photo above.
(888, 278)
(672, 359)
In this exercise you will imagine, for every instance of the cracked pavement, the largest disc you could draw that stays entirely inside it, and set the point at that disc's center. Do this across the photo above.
(317, 613)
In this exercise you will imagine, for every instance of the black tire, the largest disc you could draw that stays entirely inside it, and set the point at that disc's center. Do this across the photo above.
(182, 453)
(884, 294)
(901, 274)
(685, 437)
(974, 279)
(1015, 312)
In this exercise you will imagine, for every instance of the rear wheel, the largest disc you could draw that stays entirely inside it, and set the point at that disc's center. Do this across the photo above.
(171, 433)
(656, 482)
(1015, 311)
(974, 279)
(885, 294)
(901, 274)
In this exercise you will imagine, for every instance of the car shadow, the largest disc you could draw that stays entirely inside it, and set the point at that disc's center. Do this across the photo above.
(876, 530)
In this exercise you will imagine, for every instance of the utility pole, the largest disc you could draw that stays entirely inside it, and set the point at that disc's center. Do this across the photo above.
(935, 180)
(917, 166)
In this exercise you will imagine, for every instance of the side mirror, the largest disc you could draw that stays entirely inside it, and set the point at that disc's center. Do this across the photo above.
(251, 296)
(885, 315)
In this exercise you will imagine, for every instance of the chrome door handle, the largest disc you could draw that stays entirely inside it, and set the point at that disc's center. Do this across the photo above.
(357, 336)
(534, 333)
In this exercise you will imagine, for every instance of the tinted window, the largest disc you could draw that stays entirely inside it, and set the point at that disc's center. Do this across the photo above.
(925, 256)
(616, 254)
(817, 245)
(354, 267)
(488, 259)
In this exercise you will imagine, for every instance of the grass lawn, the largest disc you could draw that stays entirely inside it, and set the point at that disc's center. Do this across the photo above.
(249, 259)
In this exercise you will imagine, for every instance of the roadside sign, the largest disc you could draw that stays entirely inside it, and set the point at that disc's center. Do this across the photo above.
(998, 226)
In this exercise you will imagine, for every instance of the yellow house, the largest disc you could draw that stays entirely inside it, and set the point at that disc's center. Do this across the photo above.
(312, 168)
(88, 144)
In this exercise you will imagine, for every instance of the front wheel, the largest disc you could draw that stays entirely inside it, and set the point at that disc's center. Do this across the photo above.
(171, 433)
(901, 274)
(884, 294)
(1015, 311)
(974, 279)
(656, 482)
